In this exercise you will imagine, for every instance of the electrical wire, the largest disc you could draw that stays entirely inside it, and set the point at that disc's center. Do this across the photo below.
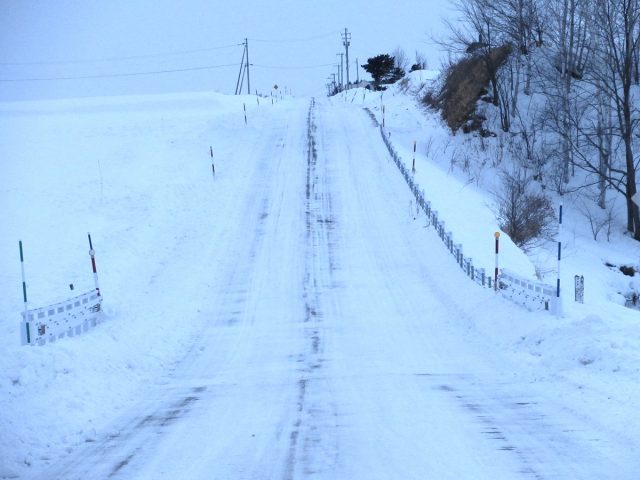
(118, 59)
(116, 75)
(305, 67)
(297, 40)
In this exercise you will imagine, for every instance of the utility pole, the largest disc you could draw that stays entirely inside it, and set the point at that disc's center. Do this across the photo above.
(246, 47)
(241, 73)
(244, 68)
(341, 69)
(346, 41)
(357, 72)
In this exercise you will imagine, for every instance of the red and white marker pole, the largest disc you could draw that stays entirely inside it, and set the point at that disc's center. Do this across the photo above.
(413, 166)
(24, 283)
(24, 296)
(92, 253)
(495, 274)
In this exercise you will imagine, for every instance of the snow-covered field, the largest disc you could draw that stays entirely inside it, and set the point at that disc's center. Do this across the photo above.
(288, 318)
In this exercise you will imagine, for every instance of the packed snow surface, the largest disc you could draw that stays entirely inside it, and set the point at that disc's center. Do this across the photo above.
(288, 317)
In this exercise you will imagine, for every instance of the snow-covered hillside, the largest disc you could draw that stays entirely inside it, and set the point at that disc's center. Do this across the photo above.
(289, 317)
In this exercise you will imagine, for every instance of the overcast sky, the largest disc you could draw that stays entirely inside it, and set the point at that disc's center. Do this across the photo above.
(117, 42)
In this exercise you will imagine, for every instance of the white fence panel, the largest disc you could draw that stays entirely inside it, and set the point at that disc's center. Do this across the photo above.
(533, 295)
(65, 319)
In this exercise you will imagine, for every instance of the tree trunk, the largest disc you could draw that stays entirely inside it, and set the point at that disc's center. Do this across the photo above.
(567, 38)
(566, 127)
(527, 85)
(515, 82)
(626, 73)
(633, 216)
(604, 150)
(494, 83)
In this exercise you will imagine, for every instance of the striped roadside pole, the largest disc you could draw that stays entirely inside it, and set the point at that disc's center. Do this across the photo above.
(558, 301)
(495, 274)
(24, 293)
(413, 166)
(92, 253)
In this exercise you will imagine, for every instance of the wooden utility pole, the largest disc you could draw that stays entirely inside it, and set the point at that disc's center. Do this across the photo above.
(346, 41)
(244, 69)
(241, 72)
(246, 49)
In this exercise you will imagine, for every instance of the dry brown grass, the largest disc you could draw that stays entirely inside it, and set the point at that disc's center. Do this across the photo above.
(465, 83)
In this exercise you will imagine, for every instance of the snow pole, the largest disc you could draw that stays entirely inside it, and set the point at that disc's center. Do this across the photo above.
(213, 167)
(92, 253)
(382, 116)
(558, 301)
(413, 166)
(495, 274)
(24, 283)
(27, 331)
(244, 106)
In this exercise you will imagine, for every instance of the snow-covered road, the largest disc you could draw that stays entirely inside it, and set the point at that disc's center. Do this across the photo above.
(336, 347)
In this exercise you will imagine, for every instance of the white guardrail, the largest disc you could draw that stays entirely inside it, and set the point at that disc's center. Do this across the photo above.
(65, 319)
(530, 294)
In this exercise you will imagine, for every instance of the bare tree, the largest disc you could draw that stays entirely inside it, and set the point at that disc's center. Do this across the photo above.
(594, 154)
(598, 218)
(520, 24)
(571, 40)
(507, 88)
(523, 213)
(618, 41)
(401, 59)
(590, 64)
(527, 131)
(492, 25)
(420, 62)
(479, 36)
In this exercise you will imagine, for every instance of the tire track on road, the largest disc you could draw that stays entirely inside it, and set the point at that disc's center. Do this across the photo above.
(309, 438)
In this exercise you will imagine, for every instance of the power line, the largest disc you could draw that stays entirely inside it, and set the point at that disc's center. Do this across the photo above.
(115, 75)
(117, 59)
(294, 40)
(305, 67)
